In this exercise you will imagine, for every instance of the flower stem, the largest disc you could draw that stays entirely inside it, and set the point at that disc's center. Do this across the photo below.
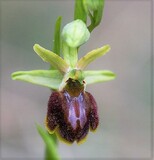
(47, 151)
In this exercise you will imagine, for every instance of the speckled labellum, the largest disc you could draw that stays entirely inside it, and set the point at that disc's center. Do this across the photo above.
(71, 113)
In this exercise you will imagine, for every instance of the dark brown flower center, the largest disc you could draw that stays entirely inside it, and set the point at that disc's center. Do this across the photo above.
(74, 87)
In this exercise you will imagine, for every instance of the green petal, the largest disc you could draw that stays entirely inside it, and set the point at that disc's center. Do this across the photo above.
(49, 56)
(98, 76)
(51, 153)
(46, 78)
(91, 56)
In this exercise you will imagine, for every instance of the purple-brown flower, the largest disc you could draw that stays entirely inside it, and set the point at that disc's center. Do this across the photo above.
(72, 112)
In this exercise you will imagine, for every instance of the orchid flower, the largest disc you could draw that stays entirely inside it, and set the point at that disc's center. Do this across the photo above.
(72, 111)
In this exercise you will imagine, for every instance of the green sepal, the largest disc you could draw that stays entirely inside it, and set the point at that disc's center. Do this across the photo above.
(91, 56)
(98, 76)
(46, 78)
(51, 151)
(49, 56)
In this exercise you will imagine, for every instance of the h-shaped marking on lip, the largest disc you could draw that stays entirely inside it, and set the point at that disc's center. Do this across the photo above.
(76, 110)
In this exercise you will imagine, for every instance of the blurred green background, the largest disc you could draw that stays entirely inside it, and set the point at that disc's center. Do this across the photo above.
(124, 104)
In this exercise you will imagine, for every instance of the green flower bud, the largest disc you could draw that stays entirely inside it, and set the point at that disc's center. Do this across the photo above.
(75, 33)
(91, 5)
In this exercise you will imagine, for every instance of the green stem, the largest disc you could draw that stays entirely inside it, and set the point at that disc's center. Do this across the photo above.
(47, 151)
(46, 154)
(56, 49)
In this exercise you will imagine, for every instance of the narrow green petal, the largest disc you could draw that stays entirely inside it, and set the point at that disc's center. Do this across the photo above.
(91, 56)
(46, 78)
(49, 56)
(98, 76)
(51, 153)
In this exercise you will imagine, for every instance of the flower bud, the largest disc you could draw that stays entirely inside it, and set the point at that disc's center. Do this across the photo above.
(91, 5)
(75, 33)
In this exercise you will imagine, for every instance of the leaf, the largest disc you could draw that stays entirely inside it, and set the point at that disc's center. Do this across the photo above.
(46, 78)
(91, 56)
(57, 40)
(51, 151)
(49, 56)
(98, 76)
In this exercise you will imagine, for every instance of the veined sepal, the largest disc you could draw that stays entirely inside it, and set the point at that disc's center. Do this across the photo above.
(51, 57)
(47, 78)
(92, 77)
(91, 56)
